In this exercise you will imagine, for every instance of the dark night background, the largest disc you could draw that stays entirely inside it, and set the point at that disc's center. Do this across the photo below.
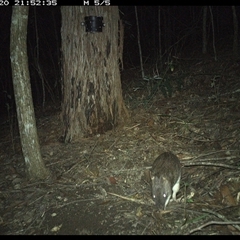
(181, 36)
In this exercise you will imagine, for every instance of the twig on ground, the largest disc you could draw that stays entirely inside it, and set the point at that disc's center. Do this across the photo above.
(212, 223)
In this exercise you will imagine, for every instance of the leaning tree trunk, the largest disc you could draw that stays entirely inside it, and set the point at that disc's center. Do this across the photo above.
(92, 95)
(35, 167)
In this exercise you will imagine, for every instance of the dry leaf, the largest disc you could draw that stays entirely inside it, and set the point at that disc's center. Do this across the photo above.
(56, 228)
(227, 196)
(111, 180)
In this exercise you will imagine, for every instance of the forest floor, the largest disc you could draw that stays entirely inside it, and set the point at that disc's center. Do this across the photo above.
(102, 183)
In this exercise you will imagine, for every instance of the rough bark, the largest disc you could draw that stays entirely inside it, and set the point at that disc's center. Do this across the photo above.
(35, 167)
(92, 94)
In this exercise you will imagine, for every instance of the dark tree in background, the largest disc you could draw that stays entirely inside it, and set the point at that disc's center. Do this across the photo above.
(92, 95)
(235, 32)
(204, 30)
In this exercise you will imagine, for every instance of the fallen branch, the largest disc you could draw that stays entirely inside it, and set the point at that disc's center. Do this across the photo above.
(210, 164)
(212, 223)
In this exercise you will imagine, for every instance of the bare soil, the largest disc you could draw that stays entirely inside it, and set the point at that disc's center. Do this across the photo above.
(102, 184)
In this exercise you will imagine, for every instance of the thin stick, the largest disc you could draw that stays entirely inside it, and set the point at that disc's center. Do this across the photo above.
(127, 198)
(212, 223)
(128, 128)
(219, 216)
(210, 164)
(214, 152)
(212, 159)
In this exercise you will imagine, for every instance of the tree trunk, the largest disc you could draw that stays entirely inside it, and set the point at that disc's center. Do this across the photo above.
(235, 32)
(139, 44)
(204, 30)
(213, 33)
(35, 167)
(92, 95)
